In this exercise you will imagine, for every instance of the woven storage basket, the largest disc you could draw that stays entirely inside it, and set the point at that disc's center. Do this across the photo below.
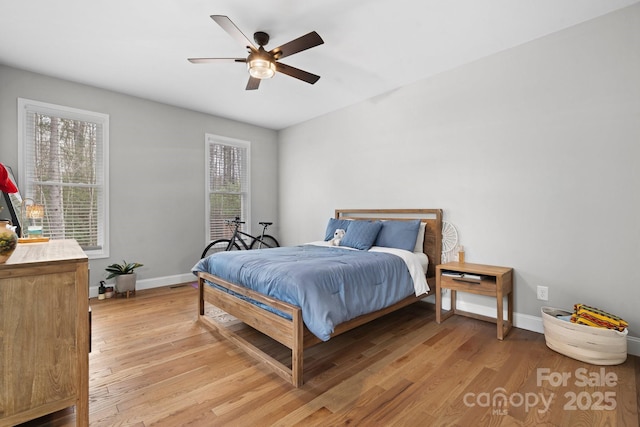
(599, 346)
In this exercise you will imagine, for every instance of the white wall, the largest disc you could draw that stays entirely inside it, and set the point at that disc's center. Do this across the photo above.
(533, 153)
(157, 194)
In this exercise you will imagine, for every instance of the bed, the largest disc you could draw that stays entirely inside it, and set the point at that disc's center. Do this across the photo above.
(282, 320)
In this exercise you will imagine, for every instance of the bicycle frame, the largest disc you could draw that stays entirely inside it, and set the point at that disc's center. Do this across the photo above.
(237, 231)
(235, 237)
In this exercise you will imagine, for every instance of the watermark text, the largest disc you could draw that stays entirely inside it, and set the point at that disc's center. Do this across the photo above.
(600, 400)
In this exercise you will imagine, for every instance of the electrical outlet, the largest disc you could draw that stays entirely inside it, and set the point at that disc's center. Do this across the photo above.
(543, 293)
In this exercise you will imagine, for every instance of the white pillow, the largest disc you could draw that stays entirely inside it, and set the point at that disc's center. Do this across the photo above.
(420, 240)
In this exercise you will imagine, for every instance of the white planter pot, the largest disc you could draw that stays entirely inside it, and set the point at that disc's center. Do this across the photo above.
(126, 283)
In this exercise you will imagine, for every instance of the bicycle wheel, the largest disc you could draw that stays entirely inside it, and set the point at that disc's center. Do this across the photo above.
(219, 246)
(265, 243)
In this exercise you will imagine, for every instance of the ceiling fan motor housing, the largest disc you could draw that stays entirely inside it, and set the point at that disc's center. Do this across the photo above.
(261, 38)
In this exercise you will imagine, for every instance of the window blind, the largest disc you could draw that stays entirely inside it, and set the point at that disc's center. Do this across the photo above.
(227, 184)
(63, 168)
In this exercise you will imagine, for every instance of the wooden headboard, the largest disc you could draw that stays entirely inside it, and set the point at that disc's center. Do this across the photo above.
(432, 218)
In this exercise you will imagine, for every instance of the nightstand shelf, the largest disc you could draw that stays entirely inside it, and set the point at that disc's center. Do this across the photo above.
(479, 279)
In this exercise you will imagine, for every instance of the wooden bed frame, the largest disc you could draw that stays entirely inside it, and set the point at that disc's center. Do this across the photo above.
(293, 333)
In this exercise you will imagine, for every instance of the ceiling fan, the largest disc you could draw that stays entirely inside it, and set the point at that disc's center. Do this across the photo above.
(263, 64)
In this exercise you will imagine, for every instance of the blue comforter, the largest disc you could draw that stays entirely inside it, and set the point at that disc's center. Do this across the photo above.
(330, 284)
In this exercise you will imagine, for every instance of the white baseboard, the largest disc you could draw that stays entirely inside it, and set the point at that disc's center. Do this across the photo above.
(522, 321)
(157, 282)
(633, 346)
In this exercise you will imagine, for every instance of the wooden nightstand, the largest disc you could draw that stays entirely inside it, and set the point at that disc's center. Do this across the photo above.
(494, 282)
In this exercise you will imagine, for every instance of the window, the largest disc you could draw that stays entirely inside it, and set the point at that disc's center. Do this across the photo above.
(63, 166)
(227, 169)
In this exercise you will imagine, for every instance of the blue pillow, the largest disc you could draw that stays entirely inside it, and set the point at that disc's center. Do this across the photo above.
(361, 234)
(333, 225)
(399, 234)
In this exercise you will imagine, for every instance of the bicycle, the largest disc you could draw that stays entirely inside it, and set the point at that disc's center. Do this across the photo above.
(263, 241)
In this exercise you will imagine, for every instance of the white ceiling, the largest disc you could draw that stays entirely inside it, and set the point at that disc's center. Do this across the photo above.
(140, 47)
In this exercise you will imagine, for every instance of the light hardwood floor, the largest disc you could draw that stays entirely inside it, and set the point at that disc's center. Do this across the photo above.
(153, 364)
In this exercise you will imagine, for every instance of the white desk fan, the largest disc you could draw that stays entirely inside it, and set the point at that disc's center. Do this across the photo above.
(449, 241)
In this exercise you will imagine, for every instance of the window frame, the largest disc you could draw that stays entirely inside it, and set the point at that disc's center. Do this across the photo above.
(211, 139)
(102, 167)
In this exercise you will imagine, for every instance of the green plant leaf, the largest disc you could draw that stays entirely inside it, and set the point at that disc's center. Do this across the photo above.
(119, 269)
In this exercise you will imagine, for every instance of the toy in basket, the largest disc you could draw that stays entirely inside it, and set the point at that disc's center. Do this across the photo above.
(598, 346)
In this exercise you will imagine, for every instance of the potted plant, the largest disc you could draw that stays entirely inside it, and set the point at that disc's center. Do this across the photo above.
(125, 276)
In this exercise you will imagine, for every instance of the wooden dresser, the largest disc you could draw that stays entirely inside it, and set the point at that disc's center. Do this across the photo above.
(44, 332)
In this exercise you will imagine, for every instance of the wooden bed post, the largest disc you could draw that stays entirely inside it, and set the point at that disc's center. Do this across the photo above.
(201, 295)
(297, 353)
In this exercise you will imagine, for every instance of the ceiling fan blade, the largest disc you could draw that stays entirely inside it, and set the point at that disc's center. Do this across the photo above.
(253, 83)
(297, 73)
(233, 31)
(305, 42)
(212, 60)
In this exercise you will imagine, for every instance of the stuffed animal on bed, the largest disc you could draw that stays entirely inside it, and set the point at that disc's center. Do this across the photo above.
(337, 236)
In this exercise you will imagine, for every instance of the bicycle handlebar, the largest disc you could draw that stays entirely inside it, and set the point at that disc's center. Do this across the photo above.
(234, 221)
(238, 222)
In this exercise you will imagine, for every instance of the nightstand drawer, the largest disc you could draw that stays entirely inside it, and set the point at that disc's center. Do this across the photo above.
(486, 286)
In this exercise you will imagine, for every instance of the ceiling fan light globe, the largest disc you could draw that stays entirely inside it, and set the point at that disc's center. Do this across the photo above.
(261, 68)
